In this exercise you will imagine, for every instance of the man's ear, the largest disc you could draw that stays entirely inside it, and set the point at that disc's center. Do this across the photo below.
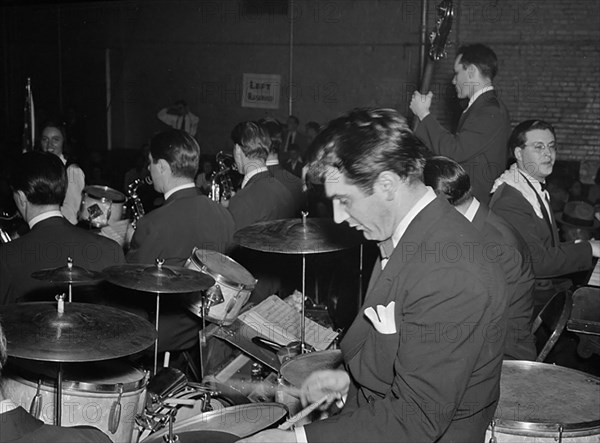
(519, 154)
(387, 183)
(20, 198)
(472, 71)
(163, 165)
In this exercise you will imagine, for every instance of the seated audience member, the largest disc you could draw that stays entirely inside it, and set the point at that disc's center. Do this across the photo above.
(521, 199)
(291, 182)
(291, 136)
(186, 220)
(17, 425)
(205, 174)
(294, 164)
(53, 140)
(404, 379)
(39, 182)
(262, 197)
(503, 245)
(577, 222)
(311, 130)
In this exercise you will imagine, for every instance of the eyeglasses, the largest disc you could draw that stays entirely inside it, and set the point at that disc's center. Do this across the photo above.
(539, 147)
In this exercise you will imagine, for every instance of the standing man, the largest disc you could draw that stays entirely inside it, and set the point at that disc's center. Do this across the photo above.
(38, 181)
(186, 220)
(294, 136)
(504, 245)
(178, 116)
(479, 143)
(423, 357)
(521, 198)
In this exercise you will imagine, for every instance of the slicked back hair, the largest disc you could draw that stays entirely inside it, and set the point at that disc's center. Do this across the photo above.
(481, 56)
(253, 139)
(448, 178)
(41, 176)
(518, 136)
(179, 149)
(366, 142)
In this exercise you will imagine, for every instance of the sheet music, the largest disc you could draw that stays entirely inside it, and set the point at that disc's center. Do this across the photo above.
(595, 277)
(276, 320)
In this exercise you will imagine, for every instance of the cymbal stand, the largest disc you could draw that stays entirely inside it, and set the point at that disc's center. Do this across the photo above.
(58, 408)
(70, 267)
(303, 311)
(156, 324)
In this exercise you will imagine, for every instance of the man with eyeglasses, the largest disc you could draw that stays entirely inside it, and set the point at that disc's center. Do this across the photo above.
(520, 197)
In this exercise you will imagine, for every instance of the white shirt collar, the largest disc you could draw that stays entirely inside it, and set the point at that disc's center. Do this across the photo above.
(178, 188)
(7, 406)
(427, 198)
(478, 93)
(251, 174)
(472, 210)
(38, 218)
(272, 162)
(62, 159)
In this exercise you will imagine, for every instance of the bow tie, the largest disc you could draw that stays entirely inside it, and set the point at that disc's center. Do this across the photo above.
(386, 248)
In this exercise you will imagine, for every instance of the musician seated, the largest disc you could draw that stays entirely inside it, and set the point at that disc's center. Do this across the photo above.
(39, 182)
(17, 425)
(503, 245)
(521, 198)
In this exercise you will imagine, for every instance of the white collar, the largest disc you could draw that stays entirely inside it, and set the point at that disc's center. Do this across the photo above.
(478, 94)
(472, 210)
(62, 159)
(43, 216)
(251, 174)
(178, 188)
(272, 162)
(517, 178)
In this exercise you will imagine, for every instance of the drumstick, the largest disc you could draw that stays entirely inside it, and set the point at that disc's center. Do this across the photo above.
(303, 413)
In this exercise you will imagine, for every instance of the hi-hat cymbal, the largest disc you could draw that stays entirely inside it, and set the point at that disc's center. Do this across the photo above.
(83, 332)
(296, 370)
(158, 279)
(74, 275)
(298, 236)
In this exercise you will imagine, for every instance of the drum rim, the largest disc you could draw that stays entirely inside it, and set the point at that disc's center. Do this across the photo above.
(121, 198)
(82, 386)
(220, 278)
(513, 425)
(295, 360)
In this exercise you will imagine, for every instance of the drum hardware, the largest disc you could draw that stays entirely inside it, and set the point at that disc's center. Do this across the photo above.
(4, 237)
(100, 205)
(221, 187)
(133, 196)
(70, 274)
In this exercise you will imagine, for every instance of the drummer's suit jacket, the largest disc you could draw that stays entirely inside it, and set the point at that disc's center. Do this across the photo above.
(19, 426)
(507, 247)
(479, 144)
(437, 379)
(186, 220)
(48, 245)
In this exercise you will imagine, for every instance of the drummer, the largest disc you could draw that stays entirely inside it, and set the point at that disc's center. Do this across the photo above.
(16, 424)
(38, 181)
(424, 355)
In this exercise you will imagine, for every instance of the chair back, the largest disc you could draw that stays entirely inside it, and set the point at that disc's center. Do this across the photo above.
(554, 316)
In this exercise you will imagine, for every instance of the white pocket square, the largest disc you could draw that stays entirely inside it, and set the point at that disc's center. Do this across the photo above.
(383, 319)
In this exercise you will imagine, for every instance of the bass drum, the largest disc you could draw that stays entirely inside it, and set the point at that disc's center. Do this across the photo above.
(91, 393)
(546, 403)
(101, 206)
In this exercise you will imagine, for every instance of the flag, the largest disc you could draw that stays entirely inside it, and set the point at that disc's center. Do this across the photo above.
(29, 119)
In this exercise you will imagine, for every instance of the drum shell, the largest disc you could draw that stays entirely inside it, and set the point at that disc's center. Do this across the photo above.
(235, 282)
(537, 398)
(86, 401)
(110, 201)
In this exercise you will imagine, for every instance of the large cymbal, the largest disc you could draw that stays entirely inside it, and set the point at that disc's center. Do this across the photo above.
(158, 279)
(296, 370)
(71, 274)
(298, 236)
(83, 332)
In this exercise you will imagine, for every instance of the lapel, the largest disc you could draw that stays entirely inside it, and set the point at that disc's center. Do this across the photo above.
(480, 217)
(478, 103)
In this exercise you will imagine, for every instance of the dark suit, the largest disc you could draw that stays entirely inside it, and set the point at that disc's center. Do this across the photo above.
(479, 144)
(292, 184)
(548, 260)
(437, 379)
(294, 169)
(187, 219)
(19, 426)
(507, 247)
(48, 245)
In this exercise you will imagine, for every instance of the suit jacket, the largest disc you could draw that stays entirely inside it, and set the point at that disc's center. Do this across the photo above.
(263, 198)
(48, 245)
(296, 170)
(293, 184)
(19, 426)
(437, 379)
(186, 219)
(299, 139)
(479, 144)
(548, 261)
(507, 247)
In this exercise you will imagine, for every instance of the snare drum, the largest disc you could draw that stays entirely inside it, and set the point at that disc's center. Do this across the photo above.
(235, 281)
(101, 205)
(91, 393)
(546, 403)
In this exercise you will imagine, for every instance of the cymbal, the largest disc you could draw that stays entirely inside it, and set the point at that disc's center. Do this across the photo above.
(158, 279)
(296, 370)
(83, 332)
(298, 236)
(74, 275)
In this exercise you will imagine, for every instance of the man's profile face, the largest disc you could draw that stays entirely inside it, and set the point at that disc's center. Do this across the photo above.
(538, 154)
(363, 212)
(462, 82)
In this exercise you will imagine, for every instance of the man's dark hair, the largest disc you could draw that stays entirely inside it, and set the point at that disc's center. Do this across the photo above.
(179, 149)
(448, 178)
(275, 131)
(293, 117)
(518, 137)
(366, 142)
(253, 139)
(41, 176)
(314, 126)
(480, 56)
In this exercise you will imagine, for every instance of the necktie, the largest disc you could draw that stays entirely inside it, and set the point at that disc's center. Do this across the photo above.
(386, 248)
(543, 206)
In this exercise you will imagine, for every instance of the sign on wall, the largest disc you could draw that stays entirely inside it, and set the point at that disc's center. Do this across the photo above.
(261, 91)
